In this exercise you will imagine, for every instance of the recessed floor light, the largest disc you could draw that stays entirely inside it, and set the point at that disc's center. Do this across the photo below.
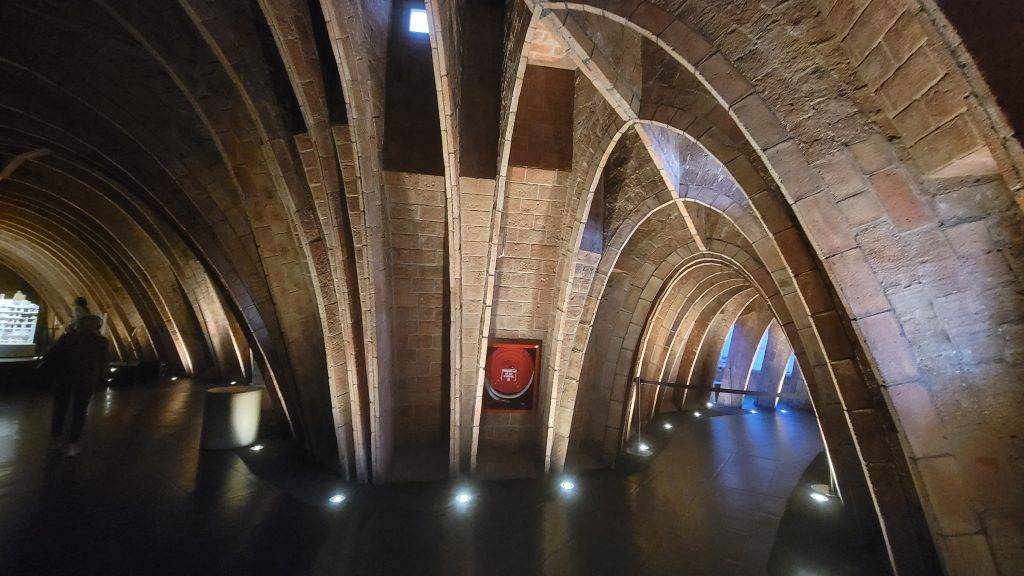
(567, 485)
(256, 447)
(173, 378)
(817, 497)
(463, 498)
(644, 447)
(336, 499)
(784, 411)
(667, 425)
(710, 404)
(753, 411)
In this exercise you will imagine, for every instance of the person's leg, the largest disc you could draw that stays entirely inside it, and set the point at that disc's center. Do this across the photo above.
(79, 408)
(61, 398)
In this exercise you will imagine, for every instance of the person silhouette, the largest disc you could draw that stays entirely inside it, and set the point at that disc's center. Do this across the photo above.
(78, 311)
(75, 365)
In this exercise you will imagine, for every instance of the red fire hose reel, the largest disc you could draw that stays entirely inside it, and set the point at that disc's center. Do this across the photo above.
(510, 372)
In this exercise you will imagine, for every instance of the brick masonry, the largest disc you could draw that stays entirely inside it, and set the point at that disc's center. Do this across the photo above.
(847, 171)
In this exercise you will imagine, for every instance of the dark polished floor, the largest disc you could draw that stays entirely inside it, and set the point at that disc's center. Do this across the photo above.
(142, 500)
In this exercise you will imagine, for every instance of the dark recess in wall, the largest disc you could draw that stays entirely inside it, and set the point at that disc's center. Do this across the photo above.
(412, 139)
(483, 23)
(993, 32)
(280, 84)
(542, 137)
(329, 70)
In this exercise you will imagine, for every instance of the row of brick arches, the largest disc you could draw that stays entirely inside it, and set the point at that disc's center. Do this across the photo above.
(352, 210)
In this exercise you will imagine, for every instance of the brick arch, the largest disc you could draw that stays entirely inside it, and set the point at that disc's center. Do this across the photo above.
(697, 317)
(30, 263)
(164, 262)
(890, 352)
(747, 328)
(209, 177)
(313, 192)
(659, 273)
(150, 278)
(91, 274)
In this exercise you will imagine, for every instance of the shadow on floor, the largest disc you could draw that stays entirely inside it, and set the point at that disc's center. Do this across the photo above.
(822, 537)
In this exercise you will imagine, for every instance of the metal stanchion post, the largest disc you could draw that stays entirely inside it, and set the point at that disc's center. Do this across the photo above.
(638, 449)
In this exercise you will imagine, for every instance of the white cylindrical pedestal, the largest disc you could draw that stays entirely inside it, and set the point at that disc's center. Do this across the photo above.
(231, 417)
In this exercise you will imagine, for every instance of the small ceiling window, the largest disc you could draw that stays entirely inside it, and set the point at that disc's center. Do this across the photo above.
(418, 21)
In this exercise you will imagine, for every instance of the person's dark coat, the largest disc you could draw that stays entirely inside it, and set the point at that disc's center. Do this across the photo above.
(77, 361)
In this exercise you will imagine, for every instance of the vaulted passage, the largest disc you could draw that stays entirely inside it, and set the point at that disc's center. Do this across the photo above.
(458, 242)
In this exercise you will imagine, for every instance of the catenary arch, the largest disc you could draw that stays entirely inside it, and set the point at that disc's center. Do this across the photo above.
(836, 363)
(896, 364)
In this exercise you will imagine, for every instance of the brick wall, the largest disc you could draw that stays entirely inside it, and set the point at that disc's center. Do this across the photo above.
(525, 287)
(416, 217)
(542, 136)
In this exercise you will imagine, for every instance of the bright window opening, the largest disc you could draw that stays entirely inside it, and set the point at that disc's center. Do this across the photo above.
(790, 365)
(762, 346)
(724, 356)
(418, 21)
(17, 319)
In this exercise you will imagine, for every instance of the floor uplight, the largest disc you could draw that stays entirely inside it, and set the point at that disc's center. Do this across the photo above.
(819, 497)
(567, 485)
(709, 404)
(644, 447)
(667, 425)
(256, 447)
(113, 369)
(753, 411)
(233, 382)
(173, 378)
(697, 414)
(784, 411)
(336, 499)
(463, 498)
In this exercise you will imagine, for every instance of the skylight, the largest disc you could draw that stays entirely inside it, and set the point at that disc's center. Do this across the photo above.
(418, 21)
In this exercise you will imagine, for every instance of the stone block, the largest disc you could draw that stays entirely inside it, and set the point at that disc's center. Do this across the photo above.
(758, 122)
(824, 224)
(954, 150)
(873, 154)
(885, 341)
(727, 82)
(861, 292)
(969, 554)
(794, 251)
(915, 414)
(878, 16)
(850, 385)
(796, 178)
(910, 80)
(897, 194)
(945, 491)
(684, 41)
(833, 336)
